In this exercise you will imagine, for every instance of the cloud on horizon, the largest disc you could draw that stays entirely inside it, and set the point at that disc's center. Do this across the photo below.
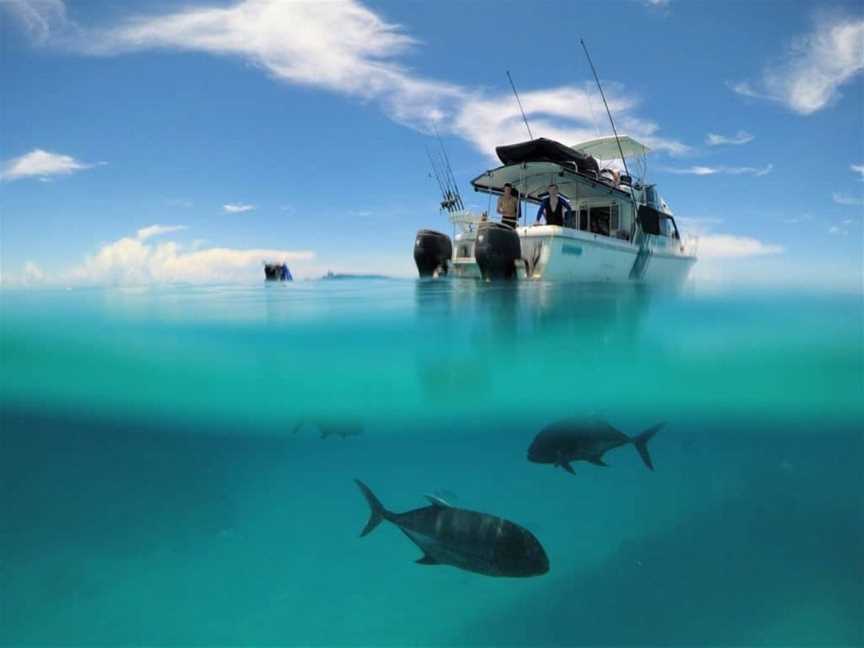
(808, 77)
(361, 60)
(135, 260)
(132, 260)
(41, 164)
(727, 246)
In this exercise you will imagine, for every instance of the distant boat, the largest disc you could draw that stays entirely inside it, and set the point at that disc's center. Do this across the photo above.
(618, 229)
(330, 276)
(277, 272)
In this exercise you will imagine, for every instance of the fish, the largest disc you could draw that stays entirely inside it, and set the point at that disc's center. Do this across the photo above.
(588, 440)
(343, 429)
(469, 540)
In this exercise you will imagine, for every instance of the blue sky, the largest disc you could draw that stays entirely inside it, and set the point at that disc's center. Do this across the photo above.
(265, 128)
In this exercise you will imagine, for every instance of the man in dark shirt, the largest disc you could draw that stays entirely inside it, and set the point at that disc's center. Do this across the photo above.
(553, 207)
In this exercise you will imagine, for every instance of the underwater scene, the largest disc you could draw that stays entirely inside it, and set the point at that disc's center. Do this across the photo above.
(567, 464)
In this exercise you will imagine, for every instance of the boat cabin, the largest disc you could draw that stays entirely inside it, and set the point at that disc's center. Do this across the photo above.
(603, 201)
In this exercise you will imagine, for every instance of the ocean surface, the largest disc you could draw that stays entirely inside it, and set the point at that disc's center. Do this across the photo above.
(164, 480)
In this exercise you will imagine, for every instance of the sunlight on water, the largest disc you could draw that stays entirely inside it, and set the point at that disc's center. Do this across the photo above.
(177, 464)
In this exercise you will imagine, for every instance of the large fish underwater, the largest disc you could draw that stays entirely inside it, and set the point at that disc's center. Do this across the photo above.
(585, 440)
(476, 542)
(344, 429)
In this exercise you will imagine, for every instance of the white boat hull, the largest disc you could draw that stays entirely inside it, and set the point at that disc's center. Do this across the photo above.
(564, 254)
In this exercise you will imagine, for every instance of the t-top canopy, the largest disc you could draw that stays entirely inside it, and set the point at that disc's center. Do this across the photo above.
(606, 148)
(546, 150)
(538, 150)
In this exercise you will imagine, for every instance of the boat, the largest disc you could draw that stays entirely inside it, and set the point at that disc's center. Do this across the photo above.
(277, 271)
(619, 228)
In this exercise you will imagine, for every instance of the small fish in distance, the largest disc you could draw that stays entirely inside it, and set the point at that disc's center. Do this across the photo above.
(473, 541)
(585, 440)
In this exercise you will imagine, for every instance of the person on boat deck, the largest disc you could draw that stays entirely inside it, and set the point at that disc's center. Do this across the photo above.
(553, 208)
(508, 206)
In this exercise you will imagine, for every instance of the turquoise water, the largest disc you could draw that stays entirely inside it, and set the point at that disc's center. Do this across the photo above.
(153, 490)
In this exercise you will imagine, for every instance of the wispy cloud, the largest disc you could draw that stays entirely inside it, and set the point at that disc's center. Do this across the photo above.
(838, 231)
(741, 137)
(728, 246)
(134, 260)
(157, 230)
(808, 77)
(717, 170)
(41, 164)
(360, 59)
(858, 168)
(792, 220)
(237, 208)
(845, 199)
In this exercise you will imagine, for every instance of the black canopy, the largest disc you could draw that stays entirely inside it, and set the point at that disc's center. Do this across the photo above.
(546, 150)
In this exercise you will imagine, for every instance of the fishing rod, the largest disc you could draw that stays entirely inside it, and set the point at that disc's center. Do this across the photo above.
(608, 112)
(434, 170)
(524, 118)
(437, 173)
(449, 172)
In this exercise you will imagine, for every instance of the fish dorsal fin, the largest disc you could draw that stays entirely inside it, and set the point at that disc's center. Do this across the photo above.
(437, 501)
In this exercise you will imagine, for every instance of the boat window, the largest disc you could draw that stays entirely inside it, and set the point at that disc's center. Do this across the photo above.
(667, 228)
(600, 220)
(651, 196)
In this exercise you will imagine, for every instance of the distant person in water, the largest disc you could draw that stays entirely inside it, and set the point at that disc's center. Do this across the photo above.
(553, 207)
(508, 206)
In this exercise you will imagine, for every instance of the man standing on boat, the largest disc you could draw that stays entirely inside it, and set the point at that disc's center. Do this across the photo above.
(508, 206)
(553, 207)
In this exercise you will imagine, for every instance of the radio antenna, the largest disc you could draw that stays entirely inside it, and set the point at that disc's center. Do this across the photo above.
(608, 112)
(524, 118)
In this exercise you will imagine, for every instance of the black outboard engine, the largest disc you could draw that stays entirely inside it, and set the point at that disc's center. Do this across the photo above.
(432, 252)
(496, 251)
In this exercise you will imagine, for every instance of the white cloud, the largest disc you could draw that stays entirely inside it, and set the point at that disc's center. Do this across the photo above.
(809, 76)
(838, 231)
(844, 199)
(741, 137)
(157, 230)
(347, 48)
(42, 19)
(729, 246)
(708, 170)
(39, 164)
(133, 260)
(237, 208)
(33, 273)
(566, 114)
(858, 168)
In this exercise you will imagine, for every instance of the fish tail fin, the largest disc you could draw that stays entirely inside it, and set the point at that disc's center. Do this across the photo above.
(641, 443)
(377, 512)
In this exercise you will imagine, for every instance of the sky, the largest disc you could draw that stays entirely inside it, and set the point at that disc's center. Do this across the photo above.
(184, 141)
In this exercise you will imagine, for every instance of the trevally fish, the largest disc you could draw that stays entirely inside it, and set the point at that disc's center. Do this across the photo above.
(585, 440)
(344, 429)
(476, 542)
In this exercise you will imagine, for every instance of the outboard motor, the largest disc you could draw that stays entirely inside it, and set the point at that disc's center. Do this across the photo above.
(496, 251)
(432, 252)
